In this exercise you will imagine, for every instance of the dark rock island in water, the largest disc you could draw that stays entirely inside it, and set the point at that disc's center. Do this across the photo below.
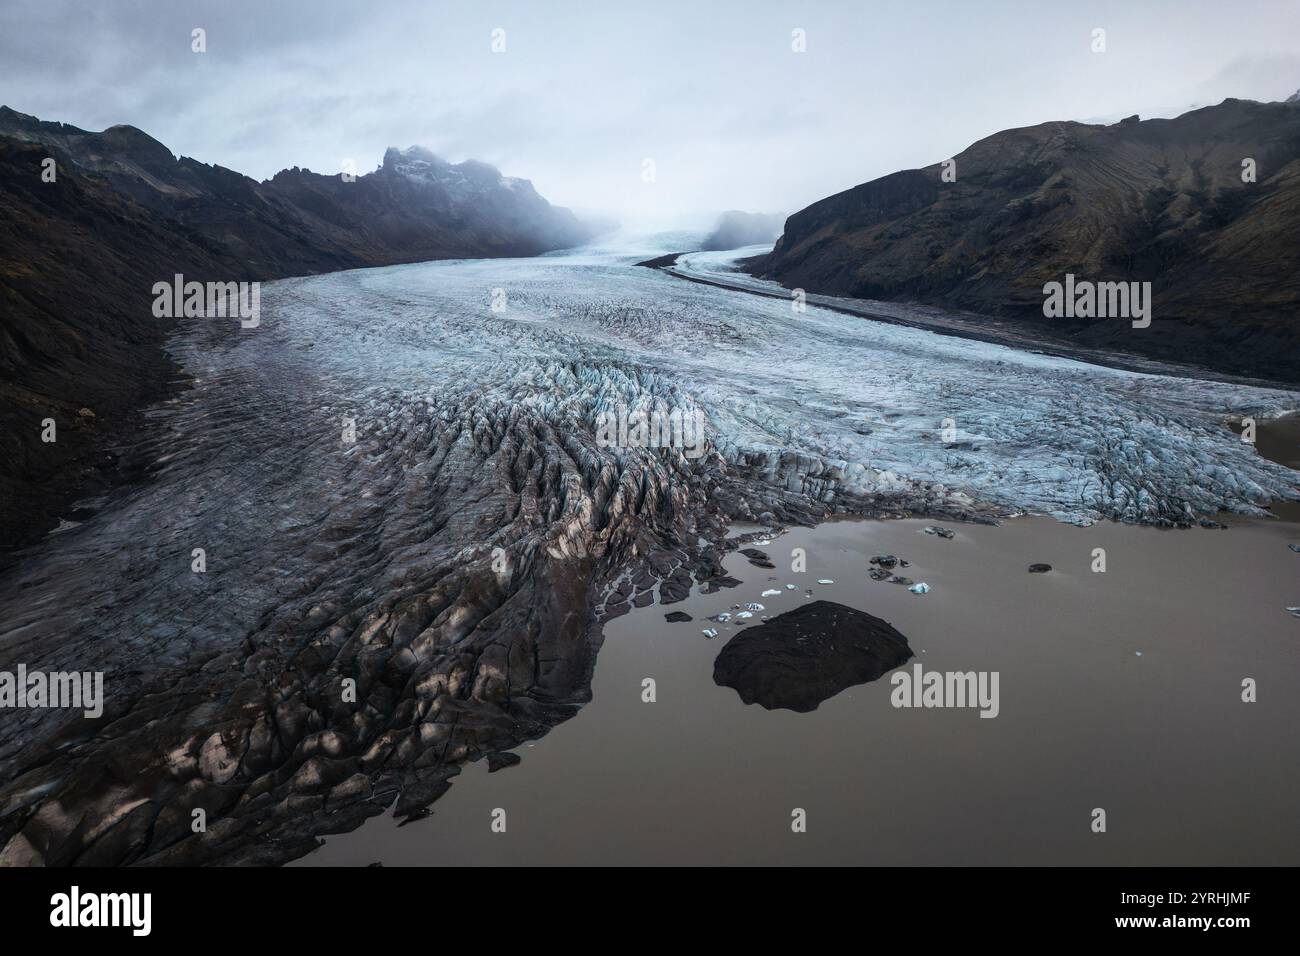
(801, 658)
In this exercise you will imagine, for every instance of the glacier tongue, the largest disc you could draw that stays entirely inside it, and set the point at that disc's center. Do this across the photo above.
(396, 481)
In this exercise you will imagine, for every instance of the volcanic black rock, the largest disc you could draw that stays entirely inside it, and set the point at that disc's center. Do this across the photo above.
(757, 558)
(805, 656)
(499, 761)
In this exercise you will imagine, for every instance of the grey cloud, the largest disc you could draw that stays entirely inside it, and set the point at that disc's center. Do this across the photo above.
(584, 93)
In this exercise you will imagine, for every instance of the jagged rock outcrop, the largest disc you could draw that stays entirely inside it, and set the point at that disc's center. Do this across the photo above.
(1159, 200)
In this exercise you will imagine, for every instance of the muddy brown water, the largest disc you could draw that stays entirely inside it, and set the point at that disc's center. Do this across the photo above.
(1119, 690)
(1279, 441)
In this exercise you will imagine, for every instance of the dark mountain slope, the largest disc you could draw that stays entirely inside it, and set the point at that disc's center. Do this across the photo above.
(77, 263)
(79, 257)
(414, 207)
(1160, 201)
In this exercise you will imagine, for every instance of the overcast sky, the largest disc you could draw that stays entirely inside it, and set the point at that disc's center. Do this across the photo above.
(585, 92)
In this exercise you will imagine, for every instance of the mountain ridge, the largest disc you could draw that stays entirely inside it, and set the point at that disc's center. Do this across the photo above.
(79, 257)
(1159, 200)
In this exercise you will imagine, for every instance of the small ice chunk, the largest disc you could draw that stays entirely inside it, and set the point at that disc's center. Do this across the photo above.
(743, 614)
(770, 592)
(754, 606)
(825, 581)
(792, 587)
(709, 633)
(920, 588)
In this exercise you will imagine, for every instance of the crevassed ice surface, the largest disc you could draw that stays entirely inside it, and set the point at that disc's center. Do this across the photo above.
(1032, 432)
(251, 467)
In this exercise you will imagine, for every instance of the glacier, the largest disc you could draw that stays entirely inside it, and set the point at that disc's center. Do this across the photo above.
(408, 528)
(828, 403)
